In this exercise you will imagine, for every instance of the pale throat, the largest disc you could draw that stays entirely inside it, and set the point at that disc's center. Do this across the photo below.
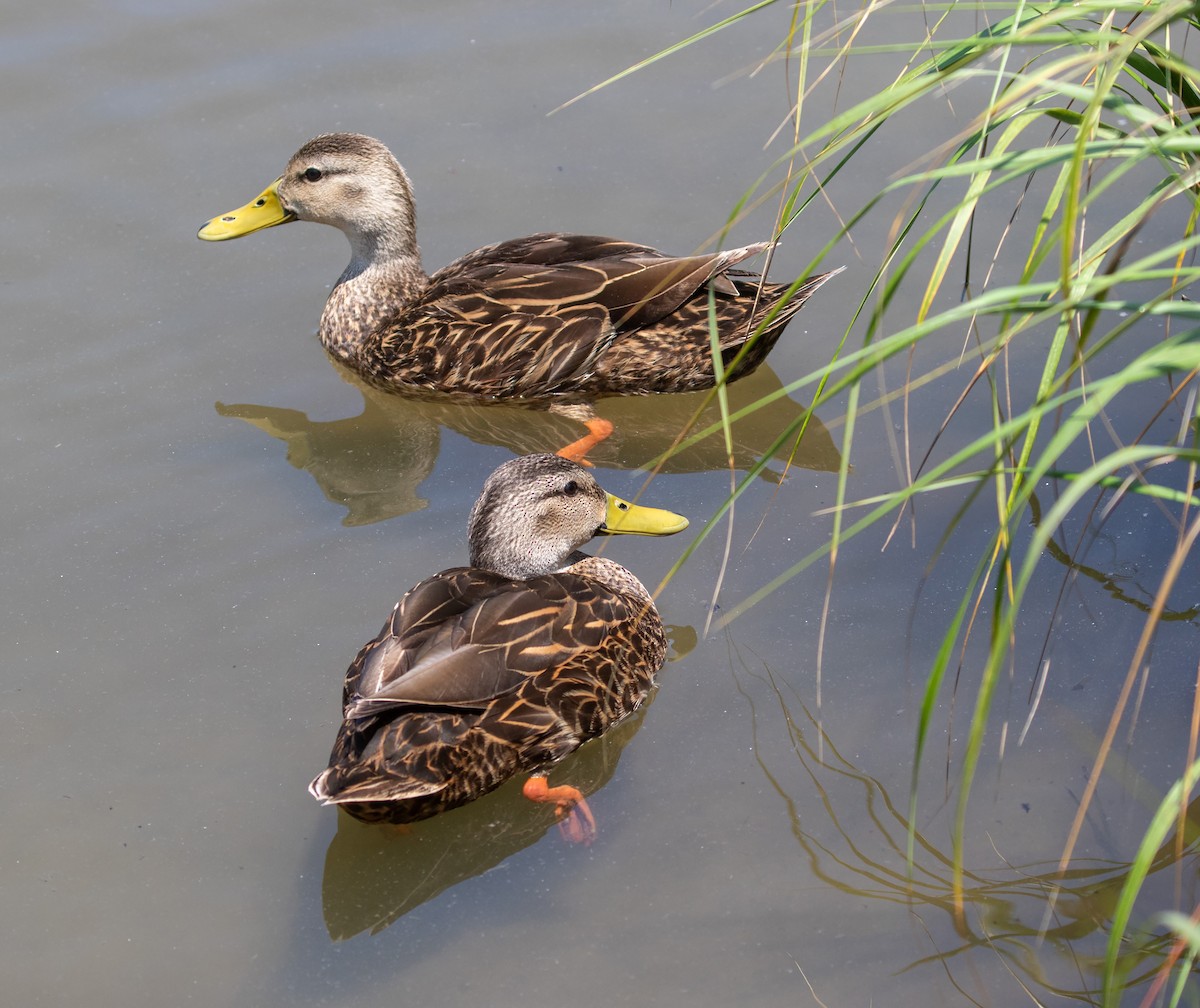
(385, 256)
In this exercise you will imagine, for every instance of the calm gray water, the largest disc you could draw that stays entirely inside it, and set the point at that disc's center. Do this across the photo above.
(204, 521)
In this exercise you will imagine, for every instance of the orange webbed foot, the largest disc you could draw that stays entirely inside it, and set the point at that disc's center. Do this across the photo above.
(598, 430)
(575, 820)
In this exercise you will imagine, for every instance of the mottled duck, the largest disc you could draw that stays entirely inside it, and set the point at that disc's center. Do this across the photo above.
(504, 667)
(553, 319)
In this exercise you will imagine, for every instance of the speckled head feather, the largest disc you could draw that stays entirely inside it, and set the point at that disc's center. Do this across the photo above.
(353, 183)
(534, 513)
(342, 145)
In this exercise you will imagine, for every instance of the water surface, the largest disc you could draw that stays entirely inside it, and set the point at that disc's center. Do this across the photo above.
(205, 519)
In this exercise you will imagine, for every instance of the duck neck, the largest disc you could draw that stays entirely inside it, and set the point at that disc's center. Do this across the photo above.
(391, 248)
(521, 561)
(384, 275)
(383, 230)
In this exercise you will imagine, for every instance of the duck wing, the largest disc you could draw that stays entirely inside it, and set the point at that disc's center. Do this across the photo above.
(532, 317)
(466, 637)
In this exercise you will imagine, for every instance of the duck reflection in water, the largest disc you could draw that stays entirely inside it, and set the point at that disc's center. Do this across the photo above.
(374, 463)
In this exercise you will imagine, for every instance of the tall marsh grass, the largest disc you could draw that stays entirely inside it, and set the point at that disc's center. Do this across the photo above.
(1056, 217)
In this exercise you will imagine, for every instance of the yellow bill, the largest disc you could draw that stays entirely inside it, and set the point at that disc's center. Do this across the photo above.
(621, 516)
(264, 212)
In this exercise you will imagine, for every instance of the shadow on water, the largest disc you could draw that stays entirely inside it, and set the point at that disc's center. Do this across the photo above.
(1011, 914)
(374, 463)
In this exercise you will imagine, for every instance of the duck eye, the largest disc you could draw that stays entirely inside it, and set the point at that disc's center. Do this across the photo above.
(571, 489)
(313, 174)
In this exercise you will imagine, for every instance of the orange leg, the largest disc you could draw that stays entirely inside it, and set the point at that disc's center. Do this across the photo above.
(575, 820)
(598, 430)
(395, 829)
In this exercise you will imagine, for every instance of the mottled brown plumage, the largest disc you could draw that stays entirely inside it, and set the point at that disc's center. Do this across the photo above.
(548, 317)
(506, 666)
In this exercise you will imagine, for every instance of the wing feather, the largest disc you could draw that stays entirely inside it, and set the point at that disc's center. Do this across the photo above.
(466, 637)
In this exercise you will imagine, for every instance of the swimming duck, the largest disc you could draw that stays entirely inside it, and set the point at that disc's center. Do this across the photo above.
(548, 317)
(504, 667)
